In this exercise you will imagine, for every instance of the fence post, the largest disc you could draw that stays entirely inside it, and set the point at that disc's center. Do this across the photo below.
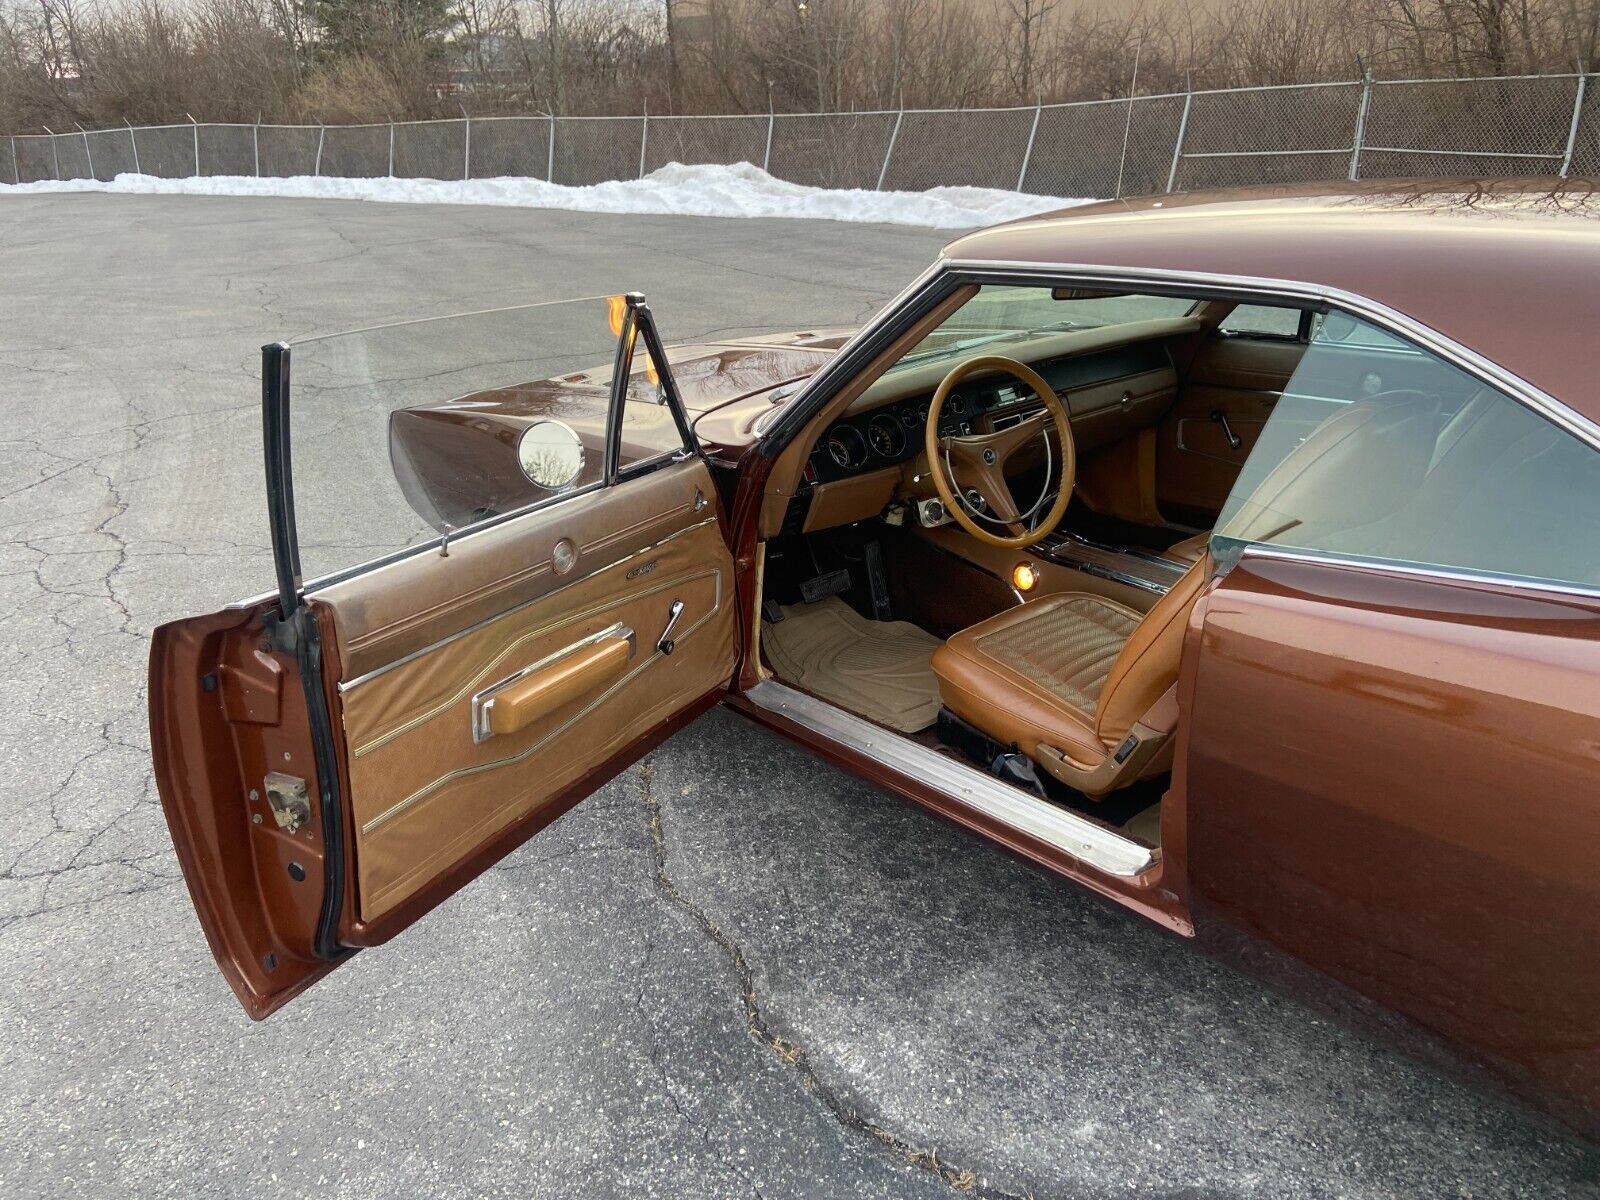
(1027, 155)
(888, 152)
(1127, 123)
(133, 143)
(322, 133)
(391, 149)
(255, 144)
(644, 137)
(766, 155)
(16, 171)
(1361, 124)
(195, 125)
(1577, 116)
(88, 154)
(550, 153)
(466, 153)
(55, 155)
(1177, 146)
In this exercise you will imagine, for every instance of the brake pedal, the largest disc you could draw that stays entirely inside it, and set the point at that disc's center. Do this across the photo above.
(771, 612)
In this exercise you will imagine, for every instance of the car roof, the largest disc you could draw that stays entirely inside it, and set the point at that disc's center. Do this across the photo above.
(1508, 268)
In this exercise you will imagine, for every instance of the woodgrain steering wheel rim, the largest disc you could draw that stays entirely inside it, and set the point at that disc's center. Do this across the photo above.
(984, 455)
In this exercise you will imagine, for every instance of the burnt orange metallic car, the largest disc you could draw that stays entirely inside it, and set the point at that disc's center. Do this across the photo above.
(1236, 556)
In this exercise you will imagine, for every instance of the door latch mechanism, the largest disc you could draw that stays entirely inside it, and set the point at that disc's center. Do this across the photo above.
(666, 645)
(286, 796)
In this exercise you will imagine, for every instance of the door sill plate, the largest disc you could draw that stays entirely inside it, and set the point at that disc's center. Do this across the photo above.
(1067, 832)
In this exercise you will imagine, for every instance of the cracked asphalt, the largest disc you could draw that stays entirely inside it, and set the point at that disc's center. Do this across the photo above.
(735, 971)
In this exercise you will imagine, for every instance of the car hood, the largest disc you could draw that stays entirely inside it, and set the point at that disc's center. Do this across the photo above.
(709, 376)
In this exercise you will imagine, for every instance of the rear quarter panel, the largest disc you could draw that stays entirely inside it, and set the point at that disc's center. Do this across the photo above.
(1397, 780)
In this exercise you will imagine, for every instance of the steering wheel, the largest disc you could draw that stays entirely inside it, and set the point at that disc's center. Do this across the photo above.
(977, 461)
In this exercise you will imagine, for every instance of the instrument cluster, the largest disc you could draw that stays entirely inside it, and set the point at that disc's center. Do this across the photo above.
(893, 434)
(887, 436)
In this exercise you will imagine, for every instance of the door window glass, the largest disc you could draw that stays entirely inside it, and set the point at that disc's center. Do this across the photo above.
(1380, 449)
(403, 432)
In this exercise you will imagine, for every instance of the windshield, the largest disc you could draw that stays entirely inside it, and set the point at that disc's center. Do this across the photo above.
(1010, 315)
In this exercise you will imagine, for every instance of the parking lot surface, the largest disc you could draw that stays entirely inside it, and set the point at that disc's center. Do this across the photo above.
(735, 971)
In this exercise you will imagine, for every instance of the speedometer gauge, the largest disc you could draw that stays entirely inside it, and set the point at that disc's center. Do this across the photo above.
(886, 436)
(846, 447)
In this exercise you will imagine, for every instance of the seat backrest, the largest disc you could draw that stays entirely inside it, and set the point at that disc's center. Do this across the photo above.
(1147, 665)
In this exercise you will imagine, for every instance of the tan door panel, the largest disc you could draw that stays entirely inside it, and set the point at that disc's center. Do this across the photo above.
(1229, 392)
(454, 738)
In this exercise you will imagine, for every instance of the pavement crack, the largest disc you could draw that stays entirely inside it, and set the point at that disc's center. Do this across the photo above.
(793, 1055)
(671, 1092)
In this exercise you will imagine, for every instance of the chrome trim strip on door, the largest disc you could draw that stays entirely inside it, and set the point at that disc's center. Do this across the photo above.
(1039, 819)
(611, 602)
(483, 701)
(430, 788)
(1419, 570)
(516, 608)
(1393, 320)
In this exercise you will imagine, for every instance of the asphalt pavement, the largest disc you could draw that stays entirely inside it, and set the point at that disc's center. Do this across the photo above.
(735, 971)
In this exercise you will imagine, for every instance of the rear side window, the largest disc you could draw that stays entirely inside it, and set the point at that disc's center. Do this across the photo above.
(1262, 320)
(1379, 449)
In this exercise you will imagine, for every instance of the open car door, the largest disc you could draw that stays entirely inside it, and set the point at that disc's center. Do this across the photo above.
(501, 578)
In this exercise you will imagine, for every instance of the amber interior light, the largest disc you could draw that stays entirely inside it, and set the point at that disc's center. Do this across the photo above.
(1023, 577)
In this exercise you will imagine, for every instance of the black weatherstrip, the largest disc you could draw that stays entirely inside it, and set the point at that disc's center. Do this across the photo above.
(296, 629)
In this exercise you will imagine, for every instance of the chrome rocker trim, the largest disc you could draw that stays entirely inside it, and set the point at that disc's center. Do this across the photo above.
(1055, 827)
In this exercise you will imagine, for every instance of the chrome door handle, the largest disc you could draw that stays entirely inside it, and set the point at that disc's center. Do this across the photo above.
(666, 645)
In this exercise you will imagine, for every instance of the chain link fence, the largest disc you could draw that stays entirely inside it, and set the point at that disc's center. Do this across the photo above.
(1364, 128)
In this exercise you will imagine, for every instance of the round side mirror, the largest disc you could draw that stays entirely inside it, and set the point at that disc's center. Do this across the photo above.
(551, 454)
(1336, 327)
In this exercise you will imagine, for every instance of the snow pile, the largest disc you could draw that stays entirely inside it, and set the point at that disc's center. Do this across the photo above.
(741, 190)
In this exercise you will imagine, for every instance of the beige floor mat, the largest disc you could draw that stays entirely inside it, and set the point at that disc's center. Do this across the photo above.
(876, 669)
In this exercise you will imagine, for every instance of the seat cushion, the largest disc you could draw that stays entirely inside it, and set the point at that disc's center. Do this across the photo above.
(1034, 673)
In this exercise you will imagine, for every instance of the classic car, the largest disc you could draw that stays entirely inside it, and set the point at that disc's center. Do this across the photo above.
(1233, 555)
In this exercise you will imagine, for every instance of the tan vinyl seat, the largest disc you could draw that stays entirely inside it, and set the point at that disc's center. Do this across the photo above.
(1073, 678)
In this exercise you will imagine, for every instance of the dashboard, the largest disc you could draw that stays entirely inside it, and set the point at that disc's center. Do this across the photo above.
(892, 433)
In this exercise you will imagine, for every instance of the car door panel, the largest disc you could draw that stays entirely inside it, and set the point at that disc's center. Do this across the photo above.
(336, 759)
(1394, 777)
(1232, 378)
(228, 710)
(423, 789)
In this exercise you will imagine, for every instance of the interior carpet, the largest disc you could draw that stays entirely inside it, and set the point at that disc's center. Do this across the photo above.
(1146, 826)
(876, 669)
